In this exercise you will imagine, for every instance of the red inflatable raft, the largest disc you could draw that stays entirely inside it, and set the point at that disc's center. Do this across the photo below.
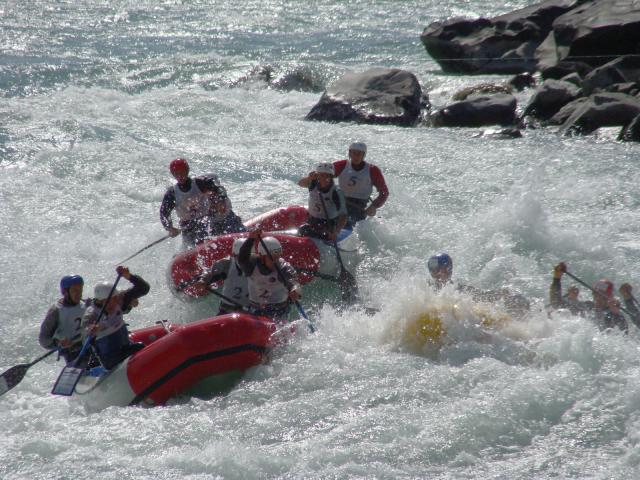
(309, 256)
(177, 357)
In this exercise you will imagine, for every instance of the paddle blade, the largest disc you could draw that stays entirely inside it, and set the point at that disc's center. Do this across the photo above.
(348, 286)
(12, 377)
(67, 381)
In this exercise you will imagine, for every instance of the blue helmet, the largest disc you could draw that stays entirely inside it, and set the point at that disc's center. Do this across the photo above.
(439, 262)
(69, 280)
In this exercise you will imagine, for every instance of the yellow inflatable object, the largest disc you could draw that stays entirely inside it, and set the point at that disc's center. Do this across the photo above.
(428, 328)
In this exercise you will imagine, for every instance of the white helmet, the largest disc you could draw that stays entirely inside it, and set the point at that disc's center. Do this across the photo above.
(102, 290)
(326, 167)
(272, 244)
(358, 147)
(237, 244)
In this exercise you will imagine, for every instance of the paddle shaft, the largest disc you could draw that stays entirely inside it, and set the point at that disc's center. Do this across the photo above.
(595, 291)
(145, 248)
(347, 281)
(90, 338)
(335, 243)
(227, 299)
(42, 357)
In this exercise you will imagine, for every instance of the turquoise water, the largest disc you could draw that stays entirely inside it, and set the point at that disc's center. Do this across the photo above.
(96, 99)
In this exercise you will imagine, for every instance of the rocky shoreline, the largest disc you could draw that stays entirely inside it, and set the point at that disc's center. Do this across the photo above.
(583, 54)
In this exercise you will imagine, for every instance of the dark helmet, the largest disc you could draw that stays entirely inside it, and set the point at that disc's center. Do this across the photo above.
(68, 281)
(179, 166)
(439, 262)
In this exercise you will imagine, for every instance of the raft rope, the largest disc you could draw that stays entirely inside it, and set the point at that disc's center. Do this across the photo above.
(248, 347)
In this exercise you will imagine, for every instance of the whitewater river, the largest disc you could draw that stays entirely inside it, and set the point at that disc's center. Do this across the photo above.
(96, 97)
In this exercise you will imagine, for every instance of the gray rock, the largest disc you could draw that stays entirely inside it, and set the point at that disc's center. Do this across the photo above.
(477, 111)
(550, 97)
(573, 78)
(565, 68)
(379, 95)
(481, 89)
(594, 32)
(631, 133)
(565, 112)
(621, 70)
(521, 81)
(500, 134)
(602, 110)
(503, 44)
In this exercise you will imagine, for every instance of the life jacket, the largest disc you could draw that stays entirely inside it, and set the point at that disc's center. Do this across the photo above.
(316, 198)
(356, 183)
(267, 289)
(69, 320)
(236, 285)
(192, 204)
(109, 323)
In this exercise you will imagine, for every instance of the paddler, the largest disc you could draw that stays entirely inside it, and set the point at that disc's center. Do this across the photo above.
(441, 269)
(112, 344)
(235, 286)
(202, 206)
(272, 281)
(604, 307)
(326, 204)
(357, 178)
(61, 326)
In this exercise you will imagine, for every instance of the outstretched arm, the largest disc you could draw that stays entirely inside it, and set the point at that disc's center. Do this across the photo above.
(381, 186)
(555, 290)
(305, 182)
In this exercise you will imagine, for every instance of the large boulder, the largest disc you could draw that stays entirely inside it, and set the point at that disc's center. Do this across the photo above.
(379, 95)
(550, 97)
(503, 44)
(482, 89)
(477, 111)
(602, 110)
(619, 71)
(564, 68)
(594, 32)
(565, 112)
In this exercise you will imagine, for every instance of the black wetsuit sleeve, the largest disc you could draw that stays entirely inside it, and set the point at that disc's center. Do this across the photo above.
(634, 313)
(48, 328)
(166, 207)
(140, 289)
(219, 271)
(208, 184)
(245, 262)
(555, 293)
(288, 274)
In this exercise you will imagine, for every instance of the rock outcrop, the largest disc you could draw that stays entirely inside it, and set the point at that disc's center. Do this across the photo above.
(379, 95)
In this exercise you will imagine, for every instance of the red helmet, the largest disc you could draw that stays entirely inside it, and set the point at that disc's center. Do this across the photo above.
(605, 287)
(179, 166)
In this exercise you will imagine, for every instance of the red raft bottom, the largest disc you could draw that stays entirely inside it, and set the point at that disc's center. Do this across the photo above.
(177, 357)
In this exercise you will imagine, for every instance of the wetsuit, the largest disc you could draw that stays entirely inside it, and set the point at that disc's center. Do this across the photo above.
(357, 185)
(196, 204)
(604, 317)
(63, 321)
(112, 344)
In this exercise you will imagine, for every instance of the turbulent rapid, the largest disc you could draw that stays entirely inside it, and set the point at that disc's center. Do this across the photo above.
(98, 98)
